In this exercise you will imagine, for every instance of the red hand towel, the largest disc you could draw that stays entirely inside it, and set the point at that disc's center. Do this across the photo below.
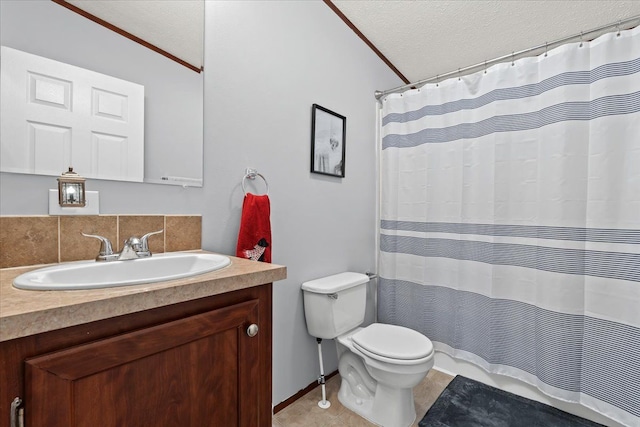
(254, 237)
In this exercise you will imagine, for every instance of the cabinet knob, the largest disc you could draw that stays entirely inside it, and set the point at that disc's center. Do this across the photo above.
(252, 330)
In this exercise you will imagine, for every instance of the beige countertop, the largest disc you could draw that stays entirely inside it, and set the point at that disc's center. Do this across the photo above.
(26, 312)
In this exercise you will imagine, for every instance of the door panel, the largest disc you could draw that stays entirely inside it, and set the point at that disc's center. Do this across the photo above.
(50, 96)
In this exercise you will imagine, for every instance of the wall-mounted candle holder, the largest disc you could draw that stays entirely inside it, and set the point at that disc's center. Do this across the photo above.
(71, 191)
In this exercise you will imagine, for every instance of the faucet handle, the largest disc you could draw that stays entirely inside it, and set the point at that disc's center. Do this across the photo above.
(144, 240)
(106, 249)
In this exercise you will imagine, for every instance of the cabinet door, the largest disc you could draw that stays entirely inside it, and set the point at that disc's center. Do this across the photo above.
(197, 371)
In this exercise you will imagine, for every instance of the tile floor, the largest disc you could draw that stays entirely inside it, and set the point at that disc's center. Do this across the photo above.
(306, 412)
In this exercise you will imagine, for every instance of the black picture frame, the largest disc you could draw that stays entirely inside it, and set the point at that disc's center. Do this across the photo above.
(328, 142)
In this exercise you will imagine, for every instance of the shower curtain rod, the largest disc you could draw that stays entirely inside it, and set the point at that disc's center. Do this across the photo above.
(620, 25)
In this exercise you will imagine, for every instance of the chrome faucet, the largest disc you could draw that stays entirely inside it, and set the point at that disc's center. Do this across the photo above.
(133, 248)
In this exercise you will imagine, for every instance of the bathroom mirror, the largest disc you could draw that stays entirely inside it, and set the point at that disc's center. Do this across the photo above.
(173, 93)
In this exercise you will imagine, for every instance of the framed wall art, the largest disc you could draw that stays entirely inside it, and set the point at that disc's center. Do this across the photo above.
(328, 145)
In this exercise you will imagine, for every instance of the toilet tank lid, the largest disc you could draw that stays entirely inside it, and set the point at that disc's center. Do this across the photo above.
(335, 283)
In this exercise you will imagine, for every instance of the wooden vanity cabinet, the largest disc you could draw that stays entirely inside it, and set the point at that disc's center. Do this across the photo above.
(188, 364)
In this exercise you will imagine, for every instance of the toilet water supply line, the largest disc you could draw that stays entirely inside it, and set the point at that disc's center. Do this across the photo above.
(324, 403)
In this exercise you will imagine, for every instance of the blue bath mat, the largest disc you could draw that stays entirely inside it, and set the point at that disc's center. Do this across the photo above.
(468, 403)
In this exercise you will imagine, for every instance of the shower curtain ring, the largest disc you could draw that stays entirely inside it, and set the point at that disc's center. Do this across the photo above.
(581, 42)
(458, 74)
(618, 27)
(485, 67)
(546, 48)
(512, 59)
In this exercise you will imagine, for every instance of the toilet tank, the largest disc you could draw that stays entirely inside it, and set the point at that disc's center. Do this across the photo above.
(335, 304)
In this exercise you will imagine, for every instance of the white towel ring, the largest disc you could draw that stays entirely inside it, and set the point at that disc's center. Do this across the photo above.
(251, 174)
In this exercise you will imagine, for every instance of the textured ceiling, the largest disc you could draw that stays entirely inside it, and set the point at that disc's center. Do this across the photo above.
(175, 26)
(421, 38)
(425, 38)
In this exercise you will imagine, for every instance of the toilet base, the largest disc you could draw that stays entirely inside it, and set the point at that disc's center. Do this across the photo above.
(387, 407)
(366, 388)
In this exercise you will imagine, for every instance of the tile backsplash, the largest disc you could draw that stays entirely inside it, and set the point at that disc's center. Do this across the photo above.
(32, 240)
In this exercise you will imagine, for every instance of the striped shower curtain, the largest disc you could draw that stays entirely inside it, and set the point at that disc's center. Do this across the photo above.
(510, 220)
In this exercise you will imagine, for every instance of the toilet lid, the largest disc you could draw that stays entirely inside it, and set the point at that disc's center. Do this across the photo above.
(393, 342)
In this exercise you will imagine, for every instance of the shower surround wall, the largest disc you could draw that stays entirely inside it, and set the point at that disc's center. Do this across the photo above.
(31, 240)
(510, 220)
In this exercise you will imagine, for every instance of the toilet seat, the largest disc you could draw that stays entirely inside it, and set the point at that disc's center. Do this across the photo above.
(393, 344)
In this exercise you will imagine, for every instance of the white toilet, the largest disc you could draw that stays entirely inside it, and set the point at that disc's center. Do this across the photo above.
(380, 364)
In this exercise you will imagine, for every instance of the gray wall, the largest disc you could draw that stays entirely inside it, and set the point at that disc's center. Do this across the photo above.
(266, 64)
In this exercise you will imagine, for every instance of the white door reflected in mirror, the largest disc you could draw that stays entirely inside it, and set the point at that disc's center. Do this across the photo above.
(173, 93)
(55, 115)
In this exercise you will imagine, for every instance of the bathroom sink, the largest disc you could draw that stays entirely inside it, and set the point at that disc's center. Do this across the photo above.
(92, 274)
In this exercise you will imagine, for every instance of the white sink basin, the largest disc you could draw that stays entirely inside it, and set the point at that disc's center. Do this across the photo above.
(92, 274)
